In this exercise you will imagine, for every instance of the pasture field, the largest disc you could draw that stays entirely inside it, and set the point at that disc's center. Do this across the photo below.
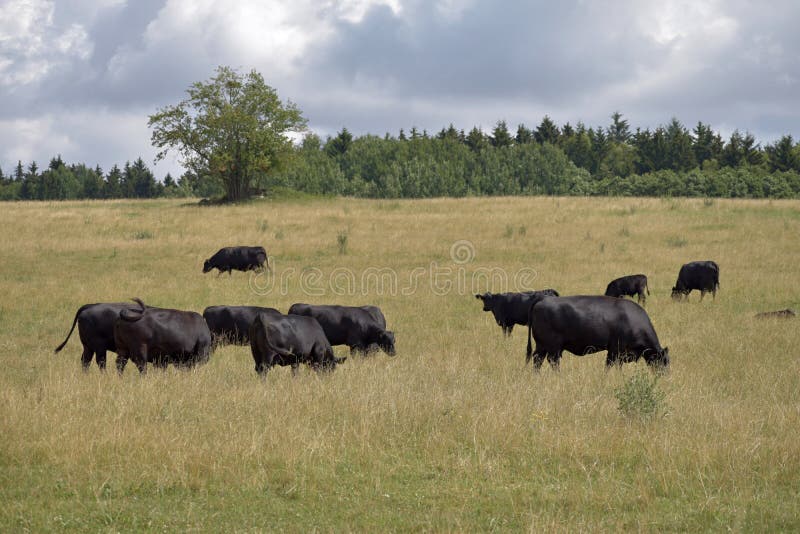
(454, 433)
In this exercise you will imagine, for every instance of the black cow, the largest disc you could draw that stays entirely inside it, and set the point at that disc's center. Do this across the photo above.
(290, 340)
(232, 323)
(96, 330)
(511, 308)
(588, 324)
(161, 336)
(236, 258)
(788, 313)
(634, 284)
(701, 275)
(362, 328)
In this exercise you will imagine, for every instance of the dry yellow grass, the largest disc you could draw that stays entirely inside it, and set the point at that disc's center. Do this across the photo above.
(452, 434)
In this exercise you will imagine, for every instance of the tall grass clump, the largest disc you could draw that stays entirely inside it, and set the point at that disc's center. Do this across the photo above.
(639, 396)
(143, 234)
(677, 241)
(341, 242)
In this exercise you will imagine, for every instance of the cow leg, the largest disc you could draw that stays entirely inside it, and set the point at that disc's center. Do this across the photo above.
(538, 359)
(140, 359)
(259, 364)
(509, 328)
(86, 358)
(100, 356)
(612, 359)
(122, 361)
(295, 369)
(554, 360)
(261, 369)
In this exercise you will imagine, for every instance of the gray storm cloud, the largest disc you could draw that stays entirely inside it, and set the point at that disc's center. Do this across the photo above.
(80, 78)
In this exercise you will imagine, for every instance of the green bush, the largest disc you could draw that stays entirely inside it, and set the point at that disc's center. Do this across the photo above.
(639, 397)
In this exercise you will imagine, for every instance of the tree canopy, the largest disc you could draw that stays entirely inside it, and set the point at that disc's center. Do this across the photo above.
(232, 127)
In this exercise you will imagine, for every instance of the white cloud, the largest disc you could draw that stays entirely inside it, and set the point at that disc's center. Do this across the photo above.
(272, 34)
(32, 44)
(92, 136)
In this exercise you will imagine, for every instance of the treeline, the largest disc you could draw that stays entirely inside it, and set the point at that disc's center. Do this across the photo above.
(60, 181)
(670, 160)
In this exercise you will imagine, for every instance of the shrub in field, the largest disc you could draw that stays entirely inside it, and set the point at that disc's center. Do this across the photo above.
(143, 234)
(341, 241)
(677, 242)
(639, 396)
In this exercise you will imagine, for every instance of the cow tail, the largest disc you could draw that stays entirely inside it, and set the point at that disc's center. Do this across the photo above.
(529, 350)
(131, 315)
(716, 268)
(647, 287)
(268, 342)
(74, 321)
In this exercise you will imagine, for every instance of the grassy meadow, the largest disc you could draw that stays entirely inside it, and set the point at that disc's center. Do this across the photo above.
(454, 433)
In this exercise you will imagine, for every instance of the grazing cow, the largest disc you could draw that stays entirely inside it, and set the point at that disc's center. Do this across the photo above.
(779, 314)
(588, 324)
(701, 275)
(362, 328)
(96, 330)
(161, 336)
(236, 258)
(232, 323)
(634, 284)
(511, 308)
(290, 340)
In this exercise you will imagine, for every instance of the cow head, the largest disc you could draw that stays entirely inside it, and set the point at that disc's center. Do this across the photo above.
(207, 266)
(386, 342)
(611, 290)
(328, 364)
(678, 293)
(659, 361)
(487, 299)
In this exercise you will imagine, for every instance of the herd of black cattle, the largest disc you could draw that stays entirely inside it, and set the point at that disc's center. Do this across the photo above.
(578, 324)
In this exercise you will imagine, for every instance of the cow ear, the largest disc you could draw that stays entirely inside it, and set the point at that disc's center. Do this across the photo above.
(479, 297)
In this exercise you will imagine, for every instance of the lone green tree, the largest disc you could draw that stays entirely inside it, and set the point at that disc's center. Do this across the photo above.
(232, 127)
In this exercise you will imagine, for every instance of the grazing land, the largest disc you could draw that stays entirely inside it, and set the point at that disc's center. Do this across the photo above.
(454, 433)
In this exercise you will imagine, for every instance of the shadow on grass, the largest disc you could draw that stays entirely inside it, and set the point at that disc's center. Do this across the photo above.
(277, 194)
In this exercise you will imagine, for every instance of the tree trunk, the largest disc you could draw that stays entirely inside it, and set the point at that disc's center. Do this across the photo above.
(237, 186)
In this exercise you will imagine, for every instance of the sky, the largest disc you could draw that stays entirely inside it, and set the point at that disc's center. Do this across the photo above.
(80, 77)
